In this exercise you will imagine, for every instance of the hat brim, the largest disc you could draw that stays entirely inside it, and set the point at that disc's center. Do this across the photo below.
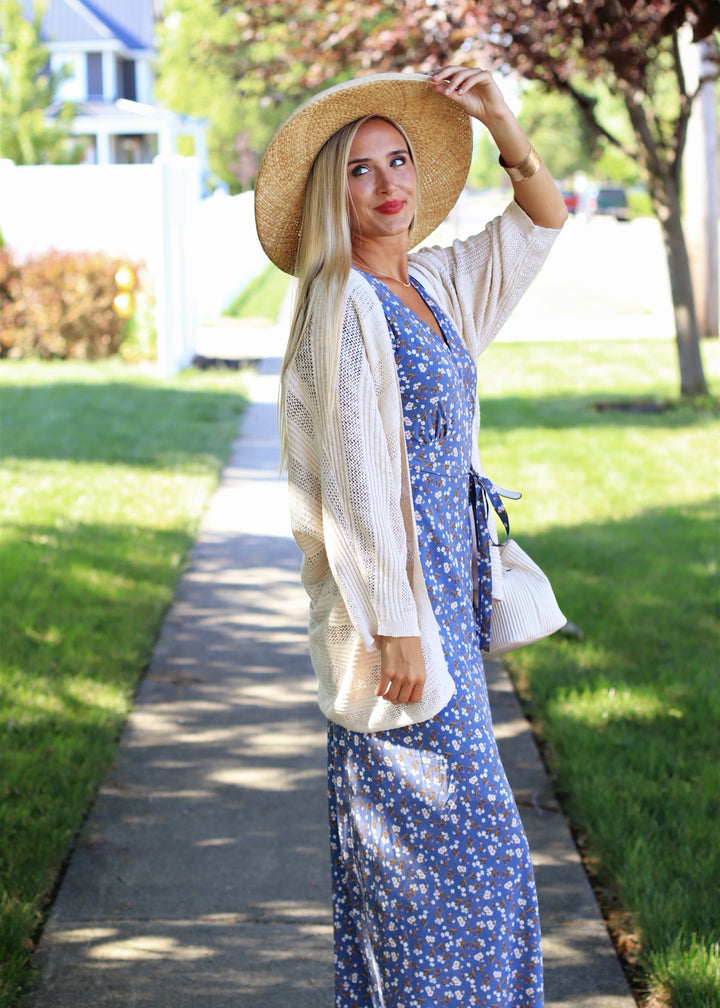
(439, 130)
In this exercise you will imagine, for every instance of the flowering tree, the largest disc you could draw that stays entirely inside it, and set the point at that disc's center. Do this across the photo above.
(633, 50)
(627, 47)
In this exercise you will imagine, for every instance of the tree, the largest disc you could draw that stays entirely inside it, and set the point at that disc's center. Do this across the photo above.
(630, 48)
(206, 69)
(555, 125)
(27, 91)
(634, 49)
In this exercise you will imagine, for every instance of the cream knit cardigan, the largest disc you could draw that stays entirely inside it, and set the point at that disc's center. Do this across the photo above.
(349, 482)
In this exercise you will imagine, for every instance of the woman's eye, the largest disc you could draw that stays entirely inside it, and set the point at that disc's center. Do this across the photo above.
(399, 160)
(359, 170)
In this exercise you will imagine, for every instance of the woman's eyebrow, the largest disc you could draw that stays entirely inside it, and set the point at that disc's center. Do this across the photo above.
(390, 154)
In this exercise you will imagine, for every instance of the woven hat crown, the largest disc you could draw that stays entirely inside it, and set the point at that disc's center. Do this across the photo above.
(439, 130)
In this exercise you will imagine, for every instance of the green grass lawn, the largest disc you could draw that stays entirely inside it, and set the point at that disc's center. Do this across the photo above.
(104, 477)
(262, 298)
(621, 509)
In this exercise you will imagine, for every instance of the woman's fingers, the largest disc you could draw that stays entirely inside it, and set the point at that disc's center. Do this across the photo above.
(458, 80)
(472, 88)
(402, 674)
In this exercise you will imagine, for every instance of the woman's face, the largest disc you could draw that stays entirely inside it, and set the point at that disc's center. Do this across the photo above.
(381, 182)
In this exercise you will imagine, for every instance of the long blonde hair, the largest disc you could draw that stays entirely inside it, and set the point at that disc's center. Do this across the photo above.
(324, 260)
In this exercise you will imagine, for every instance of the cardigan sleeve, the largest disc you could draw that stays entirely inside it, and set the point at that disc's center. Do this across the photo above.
(345, 464)
(480, 280)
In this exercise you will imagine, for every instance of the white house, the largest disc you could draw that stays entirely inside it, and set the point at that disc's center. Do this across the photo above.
(107, 47)
(135, 197)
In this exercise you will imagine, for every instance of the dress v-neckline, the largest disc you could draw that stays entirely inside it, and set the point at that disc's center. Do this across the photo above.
(419, 290)
(421, 294)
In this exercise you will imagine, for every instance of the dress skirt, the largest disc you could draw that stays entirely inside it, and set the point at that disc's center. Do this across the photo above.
(434, 899)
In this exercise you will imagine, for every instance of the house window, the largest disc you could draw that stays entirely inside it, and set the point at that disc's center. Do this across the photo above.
(126, 79)
(94, 76)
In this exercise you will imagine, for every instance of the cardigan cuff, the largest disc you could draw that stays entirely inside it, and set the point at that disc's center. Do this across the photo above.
(404, 628)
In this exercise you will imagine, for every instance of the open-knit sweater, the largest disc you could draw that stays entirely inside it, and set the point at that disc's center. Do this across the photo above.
(349, 482)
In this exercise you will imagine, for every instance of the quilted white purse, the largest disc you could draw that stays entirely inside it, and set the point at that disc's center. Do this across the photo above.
(523, 607)
(528, 609)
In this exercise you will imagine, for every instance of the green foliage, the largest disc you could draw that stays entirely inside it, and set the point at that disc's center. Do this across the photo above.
(485, 172)
(554, 123)
(553, 120)
(59, 304)
(105, 475)
(27, 89)
(639, 203)
(207, 68)
(628, 51)
(618, 162)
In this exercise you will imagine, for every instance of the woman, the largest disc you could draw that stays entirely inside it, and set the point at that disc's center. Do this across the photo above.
(433, 893)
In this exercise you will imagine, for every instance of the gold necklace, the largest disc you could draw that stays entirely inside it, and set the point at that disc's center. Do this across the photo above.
(382, 276)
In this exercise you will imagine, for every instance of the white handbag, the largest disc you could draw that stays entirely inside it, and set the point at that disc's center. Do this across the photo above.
(527, 610)
(523, 608)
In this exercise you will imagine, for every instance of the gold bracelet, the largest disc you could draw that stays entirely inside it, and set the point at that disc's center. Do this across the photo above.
(526, 169)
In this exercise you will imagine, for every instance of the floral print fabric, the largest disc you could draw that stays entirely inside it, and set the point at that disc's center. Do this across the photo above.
(433, 891)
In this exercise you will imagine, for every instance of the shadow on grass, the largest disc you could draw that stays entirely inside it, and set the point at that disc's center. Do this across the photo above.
(81, 598)
(100, 422)
(595, 410)
(644, 589)
(630, 715)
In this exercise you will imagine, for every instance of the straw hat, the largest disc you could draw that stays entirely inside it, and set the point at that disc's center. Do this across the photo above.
(439, 130)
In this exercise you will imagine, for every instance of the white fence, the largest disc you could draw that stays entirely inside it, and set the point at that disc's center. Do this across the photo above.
(199, 253)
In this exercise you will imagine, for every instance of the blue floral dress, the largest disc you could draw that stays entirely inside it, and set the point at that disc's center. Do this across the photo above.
(433, 892)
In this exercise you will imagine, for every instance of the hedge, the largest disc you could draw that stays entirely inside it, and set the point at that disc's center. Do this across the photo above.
(59, 305)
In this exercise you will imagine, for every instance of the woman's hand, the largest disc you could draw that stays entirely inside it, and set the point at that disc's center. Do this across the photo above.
(477, 92)
(402, 670)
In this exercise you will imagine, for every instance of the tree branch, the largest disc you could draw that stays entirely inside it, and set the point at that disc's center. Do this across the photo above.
(683, 118)
(586, 106)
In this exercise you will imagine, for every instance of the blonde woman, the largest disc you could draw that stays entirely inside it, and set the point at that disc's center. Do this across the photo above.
(433, 891)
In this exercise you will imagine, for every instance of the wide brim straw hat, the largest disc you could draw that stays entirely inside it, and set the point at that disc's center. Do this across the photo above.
(439, 130)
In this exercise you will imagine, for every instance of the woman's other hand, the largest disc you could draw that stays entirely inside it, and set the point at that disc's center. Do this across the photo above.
(402, 670)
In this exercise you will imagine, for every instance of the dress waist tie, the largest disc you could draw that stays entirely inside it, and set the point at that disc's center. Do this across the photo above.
(482, 493)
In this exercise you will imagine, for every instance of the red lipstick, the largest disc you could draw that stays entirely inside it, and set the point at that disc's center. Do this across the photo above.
(390, 207)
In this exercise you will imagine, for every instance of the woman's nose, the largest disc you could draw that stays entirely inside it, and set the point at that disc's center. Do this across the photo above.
(384, 181)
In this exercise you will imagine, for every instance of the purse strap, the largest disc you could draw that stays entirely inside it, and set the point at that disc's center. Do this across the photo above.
(483, 493)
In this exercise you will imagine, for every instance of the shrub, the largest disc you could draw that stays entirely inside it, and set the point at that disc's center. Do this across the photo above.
(59, 304)
(640, 203)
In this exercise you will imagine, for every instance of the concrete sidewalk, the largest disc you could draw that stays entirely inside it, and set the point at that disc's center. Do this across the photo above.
(201, 878)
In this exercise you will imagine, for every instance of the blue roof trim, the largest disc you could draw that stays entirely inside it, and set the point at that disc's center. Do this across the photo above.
(122, 33)
(130, 22)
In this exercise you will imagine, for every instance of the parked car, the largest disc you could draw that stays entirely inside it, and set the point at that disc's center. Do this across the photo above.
(571, 200)
(611, 201)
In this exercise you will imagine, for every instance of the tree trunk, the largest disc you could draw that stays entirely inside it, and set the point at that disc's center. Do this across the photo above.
(664, 180)
(687, 331)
